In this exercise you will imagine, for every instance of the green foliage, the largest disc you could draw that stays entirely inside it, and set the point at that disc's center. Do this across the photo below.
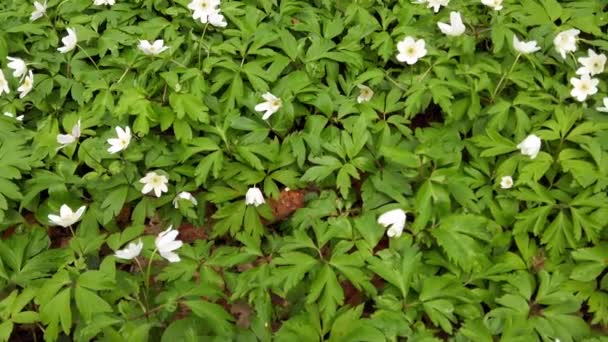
(280, 215)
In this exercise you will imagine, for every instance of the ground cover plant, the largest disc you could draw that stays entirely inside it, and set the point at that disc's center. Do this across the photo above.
(303, 170)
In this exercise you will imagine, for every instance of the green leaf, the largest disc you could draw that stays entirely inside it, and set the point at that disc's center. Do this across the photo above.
(186, 104)
(57, 311)
(494, 144)
(216, 318)
(6, 328)
(326, 289)
(463, 237)
(89, 303)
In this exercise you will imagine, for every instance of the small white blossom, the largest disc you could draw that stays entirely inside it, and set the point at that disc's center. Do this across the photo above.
(11, 115)
(156, 182)
(254, 197)
(26, 85)
(121, 142)
(410, 50)
(435, 4)
(605, 108)
(495, 4)
(270, 106)
(66, 139)
(525, 47)
(153, 49)
(69, 41)
(184, 195)
(565, 41)
(66, 216)
(365, 93)
(207, 11)
(39, 11)
(18, 66)
(593, 64)
(506, 182)
(131, 251)
(455, 27)
(166, 244)
(395, 219)
(583, 87)
(3, 84)
(530, 146)
(104, 2)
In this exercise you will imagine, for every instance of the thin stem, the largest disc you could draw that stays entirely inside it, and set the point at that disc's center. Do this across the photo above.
(421, 78)
(124, 74)
(145, 293)
(89, 57)
(200, 44)
(178, 63)
(397, 84)
(158, 308)
(147, 278)
(93, 158)
(72, 231)
(504, 76)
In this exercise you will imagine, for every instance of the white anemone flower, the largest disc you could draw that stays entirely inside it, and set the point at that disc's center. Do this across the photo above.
(4, 88)
(506, 182)
(26, 85)
(593, 64)
(18, 66)
(565, 41)
(11, 115)
(152, 49)
(254, 197)
(455, 27)
(121, 142)
(184, 195)
(270, 106)
(39, 11)
(131, 251)
(603, 109)
(69, 41)
(156, 182)
(494, 4)
(66, 216)
(166, 244)
(525, 47)
(104, 2)
(394, 220)
(583, 87)
(530, 146)
(436, 4)
(66, 139)
(365, 93)
(207, 11)
(410, 50)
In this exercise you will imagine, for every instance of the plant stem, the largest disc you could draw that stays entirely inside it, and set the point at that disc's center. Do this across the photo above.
(141, 269)
(89, 57)
(504, 76)
(421, 78)
(72, 231)
(124, 74)
(147, 278)
(400, 86)
(200, 45)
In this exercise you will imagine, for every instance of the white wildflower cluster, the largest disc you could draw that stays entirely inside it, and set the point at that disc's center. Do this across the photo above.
(208, 12)
(21, 72)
